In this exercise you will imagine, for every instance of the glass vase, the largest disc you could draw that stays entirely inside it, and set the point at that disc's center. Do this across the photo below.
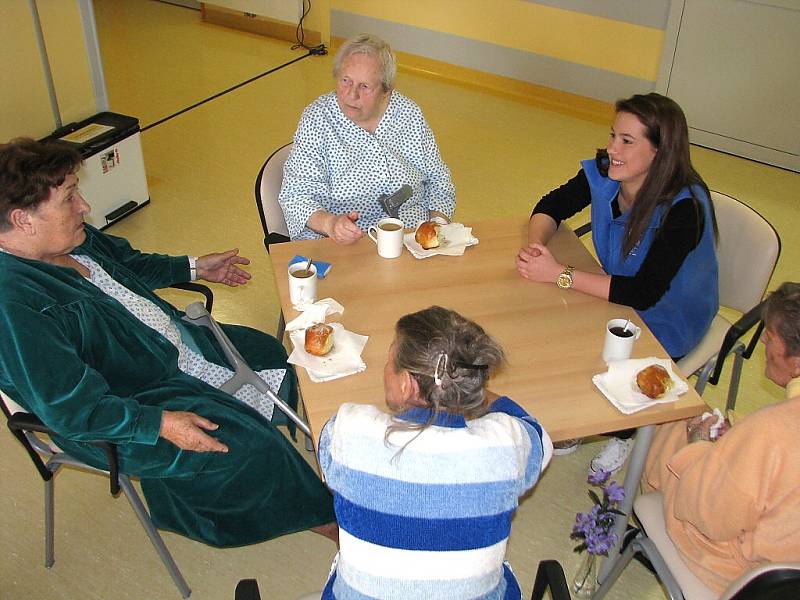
(585, 583)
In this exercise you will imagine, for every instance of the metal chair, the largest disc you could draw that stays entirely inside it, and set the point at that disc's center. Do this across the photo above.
(748, 250)
(749, 245)
(247, 589)
(49, 458)
(773, 582)
(550, 576)
(268, 186)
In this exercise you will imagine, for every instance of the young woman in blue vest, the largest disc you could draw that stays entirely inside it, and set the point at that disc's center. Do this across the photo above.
(653, 229)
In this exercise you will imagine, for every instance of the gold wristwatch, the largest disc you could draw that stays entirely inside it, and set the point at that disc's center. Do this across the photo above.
(564, 280)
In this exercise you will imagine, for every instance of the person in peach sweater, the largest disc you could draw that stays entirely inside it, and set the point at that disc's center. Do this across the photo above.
(733, 503)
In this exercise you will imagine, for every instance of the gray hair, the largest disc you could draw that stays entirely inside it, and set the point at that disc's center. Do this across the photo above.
(782, 311)
(371, 45)
(451, 359)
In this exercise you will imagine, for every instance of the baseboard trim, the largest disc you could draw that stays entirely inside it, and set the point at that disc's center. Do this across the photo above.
(588, 109)
(226, 17)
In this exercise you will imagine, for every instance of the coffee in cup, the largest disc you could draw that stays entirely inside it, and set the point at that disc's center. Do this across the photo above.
(302, 283)
(619, 339)
(388, 235)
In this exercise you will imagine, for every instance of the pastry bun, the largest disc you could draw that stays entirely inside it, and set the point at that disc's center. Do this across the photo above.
(654, 381)
(427, 235)
(319, 339)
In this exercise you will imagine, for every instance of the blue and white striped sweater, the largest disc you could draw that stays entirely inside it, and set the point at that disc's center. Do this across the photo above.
(433, 521)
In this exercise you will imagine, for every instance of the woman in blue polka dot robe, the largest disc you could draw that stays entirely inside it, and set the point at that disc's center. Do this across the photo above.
(357, 143)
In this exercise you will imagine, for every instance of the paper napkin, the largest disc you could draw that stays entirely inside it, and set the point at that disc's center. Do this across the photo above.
(314, 313)
(343, 360)
(454, 239)
(618, 384)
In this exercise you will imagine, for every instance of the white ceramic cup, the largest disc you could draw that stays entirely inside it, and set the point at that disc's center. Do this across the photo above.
(302, 290)
(389, 241)
(619, 346)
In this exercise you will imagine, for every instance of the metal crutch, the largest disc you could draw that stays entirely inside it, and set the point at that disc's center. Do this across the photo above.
(243, 375)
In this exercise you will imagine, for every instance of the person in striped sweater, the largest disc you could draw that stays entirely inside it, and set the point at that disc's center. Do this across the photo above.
(424, 495)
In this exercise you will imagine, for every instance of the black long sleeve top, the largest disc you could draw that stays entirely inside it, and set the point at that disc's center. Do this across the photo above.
(678, 235)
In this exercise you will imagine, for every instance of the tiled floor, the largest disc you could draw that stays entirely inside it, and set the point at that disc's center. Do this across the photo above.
(201, 168)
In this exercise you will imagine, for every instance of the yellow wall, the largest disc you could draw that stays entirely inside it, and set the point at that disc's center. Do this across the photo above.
(24, 102)
(616, 46)
(69, 62)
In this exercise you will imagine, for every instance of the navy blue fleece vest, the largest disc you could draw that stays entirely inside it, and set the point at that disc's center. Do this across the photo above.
(684, 313)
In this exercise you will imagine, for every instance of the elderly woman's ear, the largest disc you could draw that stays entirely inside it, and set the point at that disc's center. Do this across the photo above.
(20, 219)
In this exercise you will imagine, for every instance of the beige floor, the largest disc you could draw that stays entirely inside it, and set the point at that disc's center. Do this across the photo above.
(201, 168)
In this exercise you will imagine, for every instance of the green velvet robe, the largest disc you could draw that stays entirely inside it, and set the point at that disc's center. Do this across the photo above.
(90, 370)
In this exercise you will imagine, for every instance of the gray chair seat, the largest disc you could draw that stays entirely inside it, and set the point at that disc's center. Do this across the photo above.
(649, 509)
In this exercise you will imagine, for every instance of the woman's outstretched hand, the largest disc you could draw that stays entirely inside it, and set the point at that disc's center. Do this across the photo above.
(223, 267)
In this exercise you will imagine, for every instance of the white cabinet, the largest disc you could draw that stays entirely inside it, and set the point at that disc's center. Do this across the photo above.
(282, 10)
(734, 67)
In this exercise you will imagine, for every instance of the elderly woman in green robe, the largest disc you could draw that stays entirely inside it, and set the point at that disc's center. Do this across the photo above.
(88, 347)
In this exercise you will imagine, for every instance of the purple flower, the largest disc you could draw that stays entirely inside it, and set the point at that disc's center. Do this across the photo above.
(615, 492)
(595, 528)
(599, 478)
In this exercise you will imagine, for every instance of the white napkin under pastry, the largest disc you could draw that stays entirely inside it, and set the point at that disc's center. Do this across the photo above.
(618, 384)
(314, 313)
(454, 238)
(344, 359)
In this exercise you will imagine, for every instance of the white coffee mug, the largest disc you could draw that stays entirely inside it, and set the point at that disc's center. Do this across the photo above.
(302, 283)
(388, 235)
(619, 339)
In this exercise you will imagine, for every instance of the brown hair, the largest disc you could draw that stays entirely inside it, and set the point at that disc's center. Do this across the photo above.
(28, 169)
(782, 311)
(671, 169)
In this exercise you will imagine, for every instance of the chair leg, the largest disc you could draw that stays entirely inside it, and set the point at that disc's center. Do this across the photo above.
(736, 374)
(702, 376)
(49, 522)
(648, 548)
(281, 330)
(309, 444)
(155, 537)
(612, 576)
(550, 574)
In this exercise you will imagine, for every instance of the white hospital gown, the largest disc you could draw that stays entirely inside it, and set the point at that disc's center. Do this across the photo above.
(337, 166)
(189, 361)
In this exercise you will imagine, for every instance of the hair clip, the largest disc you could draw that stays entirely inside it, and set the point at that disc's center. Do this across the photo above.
(441, 368)
(463, 365)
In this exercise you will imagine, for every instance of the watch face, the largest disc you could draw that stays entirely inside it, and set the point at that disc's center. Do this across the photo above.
(564, 281)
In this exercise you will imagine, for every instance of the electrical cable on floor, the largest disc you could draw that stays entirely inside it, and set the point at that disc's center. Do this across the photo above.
(300, 34)
(311, 52)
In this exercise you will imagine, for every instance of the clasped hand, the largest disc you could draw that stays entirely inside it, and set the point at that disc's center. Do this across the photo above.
(536, 263)
(223, 267)
(699, 429)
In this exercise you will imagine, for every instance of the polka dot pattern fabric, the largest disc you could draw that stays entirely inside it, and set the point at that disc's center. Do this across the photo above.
(339, 167)
(189, 361)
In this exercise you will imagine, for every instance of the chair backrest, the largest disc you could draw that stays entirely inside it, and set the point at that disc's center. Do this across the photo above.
(268, 186)
(8, 405)
(775, 581)
(748, 251)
